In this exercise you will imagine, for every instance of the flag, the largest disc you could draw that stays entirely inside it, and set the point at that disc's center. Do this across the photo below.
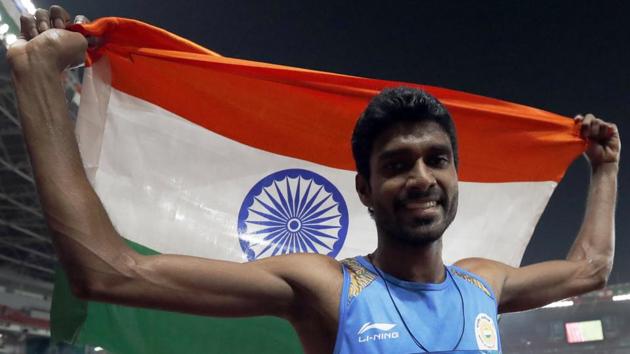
(198, 154)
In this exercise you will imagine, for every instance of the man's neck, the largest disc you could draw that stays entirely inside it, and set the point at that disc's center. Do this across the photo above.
(418, 263)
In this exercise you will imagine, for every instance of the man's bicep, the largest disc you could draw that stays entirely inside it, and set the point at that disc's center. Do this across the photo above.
(202, 286)
(539, 284)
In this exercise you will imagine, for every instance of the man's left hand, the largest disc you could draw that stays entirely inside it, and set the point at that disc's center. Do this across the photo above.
(604, 144)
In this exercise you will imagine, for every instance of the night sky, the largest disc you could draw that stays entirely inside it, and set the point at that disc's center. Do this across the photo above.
(564, 57)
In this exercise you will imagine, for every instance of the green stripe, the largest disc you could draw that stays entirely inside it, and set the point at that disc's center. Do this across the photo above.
(127, 330)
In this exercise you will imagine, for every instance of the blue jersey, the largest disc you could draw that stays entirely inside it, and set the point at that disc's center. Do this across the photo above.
(369, 322)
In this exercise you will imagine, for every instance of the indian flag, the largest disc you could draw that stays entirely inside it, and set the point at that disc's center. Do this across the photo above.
(198, 154)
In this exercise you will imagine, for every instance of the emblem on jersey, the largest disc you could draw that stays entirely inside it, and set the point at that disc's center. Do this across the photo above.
(360, 277)
(380, 326)
(473, 281)
(292, 211)
(379, 331)
(485, 332)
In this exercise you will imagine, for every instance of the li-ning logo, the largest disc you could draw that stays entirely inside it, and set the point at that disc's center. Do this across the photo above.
(383, 334)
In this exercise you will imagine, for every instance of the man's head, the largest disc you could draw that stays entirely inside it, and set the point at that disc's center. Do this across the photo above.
(405, 149)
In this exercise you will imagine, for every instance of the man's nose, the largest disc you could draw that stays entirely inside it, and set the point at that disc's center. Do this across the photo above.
(421, 176)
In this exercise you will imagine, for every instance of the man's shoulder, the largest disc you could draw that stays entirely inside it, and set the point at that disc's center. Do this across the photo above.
(305, 271)
(491, 271)
(317, 281)
(479, 265)
(301, 263)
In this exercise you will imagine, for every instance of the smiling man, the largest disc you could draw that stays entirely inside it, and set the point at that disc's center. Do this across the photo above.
(399, 299)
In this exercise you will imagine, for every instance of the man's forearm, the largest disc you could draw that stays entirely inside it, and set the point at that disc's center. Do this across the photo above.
(49, 134)
(595, 242)
(85, 239)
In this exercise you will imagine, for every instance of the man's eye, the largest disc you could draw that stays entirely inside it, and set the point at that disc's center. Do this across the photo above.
(439, 161)
(395, 166)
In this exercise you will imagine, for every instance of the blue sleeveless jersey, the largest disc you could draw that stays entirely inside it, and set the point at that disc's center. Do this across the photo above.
(369, 322)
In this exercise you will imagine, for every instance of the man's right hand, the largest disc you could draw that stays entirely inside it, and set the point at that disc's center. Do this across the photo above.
(45, 44)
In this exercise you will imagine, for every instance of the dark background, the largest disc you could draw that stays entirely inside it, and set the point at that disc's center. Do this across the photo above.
(564, 57)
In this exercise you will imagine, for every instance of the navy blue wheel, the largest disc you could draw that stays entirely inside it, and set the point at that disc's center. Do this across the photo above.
(292, 211)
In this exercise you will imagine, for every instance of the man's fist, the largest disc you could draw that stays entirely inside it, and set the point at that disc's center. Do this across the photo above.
(604, 144)
(45, 44)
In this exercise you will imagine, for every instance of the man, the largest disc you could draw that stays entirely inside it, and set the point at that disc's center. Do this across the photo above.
(399, 299)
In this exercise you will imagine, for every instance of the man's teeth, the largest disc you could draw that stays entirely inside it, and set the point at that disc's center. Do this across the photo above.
(423, 205)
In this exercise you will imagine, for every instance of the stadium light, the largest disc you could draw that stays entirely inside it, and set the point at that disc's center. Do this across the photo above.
(28, 5)
(562, 303)
(622, 297)
(10, 38)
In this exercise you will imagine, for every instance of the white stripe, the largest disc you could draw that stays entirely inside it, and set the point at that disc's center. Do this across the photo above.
(496, 220)
(177, 188)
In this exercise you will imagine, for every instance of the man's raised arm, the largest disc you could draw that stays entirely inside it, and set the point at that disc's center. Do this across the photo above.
(97, 260)
(590, 258)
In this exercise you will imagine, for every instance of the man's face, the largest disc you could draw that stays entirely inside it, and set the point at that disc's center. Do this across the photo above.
(413, 182)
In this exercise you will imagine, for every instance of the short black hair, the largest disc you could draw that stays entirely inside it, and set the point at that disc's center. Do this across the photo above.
(393, 105)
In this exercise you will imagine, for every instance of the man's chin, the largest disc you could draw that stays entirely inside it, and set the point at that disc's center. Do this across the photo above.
(421, 234)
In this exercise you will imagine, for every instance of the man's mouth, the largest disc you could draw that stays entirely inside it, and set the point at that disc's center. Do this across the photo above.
(422, 209)
(421, 204)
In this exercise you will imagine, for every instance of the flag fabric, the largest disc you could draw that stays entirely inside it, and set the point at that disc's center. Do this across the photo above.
(198, 154)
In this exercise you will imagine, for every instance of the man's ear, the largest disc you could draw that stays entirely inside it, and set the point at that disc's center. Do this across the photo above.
(363, 189)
